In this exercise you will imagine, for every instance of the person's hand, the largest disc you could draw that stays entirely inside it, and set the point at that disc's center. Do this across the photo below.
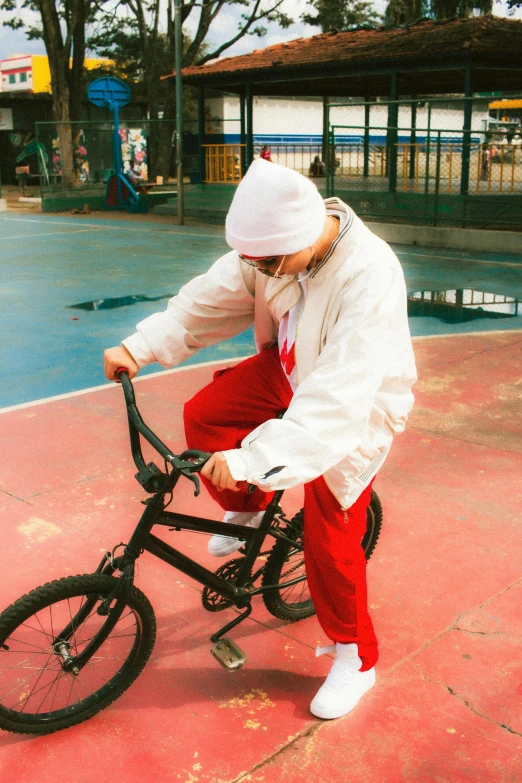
(117, 357)
(216, 470)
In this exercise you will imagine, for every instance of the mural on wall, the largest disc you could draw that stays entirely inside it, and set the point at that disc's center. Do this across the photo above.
(93, 151)
(134, 148)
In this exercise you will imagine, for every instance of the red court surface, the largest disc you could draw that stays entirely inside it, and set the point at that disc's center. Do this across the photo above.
(445, 587)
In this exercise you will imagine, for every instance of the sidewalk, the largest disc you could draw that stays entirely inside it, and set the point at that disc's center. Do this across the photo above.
(445, 592)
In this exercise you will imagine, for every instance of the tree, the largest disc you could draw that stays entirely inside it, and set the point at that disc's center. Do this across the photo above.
(341, 15)
(448, 9)
(63, 31)
(141, 42)
(404, 12)
(407, 11)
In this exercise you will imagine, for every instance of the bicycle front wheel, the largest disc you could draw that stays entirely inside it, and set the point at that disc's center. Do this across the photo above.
(37, 694)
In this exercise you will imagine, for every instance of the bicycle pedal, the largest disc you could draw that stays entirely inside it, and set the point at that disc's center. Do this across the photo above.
(229, 655)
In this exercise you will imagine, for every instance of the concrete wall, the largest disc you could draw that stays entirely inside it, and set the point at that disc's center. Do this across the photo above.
(455, 238)
(299, 117)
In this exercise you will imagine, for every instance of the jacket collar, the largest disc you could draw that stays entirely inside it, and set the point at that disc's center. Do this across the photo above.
(322, 269)
(282, 295)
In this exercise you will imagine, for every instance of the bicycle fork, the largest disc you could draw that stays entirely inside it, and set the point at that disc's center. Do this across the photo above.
(121, 593)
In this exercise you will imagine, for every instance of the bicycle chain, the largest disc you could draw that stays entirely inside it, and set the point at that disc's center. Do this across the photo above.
(216, 602)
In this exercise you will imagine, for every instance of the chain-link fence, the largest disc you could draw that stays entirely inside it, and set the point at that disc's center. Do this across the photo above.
(147, 153)
(437, 146)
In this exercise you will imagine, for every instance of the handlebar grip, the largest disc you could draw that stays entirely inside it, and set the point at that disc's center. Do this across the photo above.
(122, 375)
(244, 485)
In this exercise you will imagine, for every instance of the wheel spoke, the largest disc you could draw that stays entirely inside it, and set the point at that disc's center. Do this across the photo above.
(24, 625)
(19, 684)
(38, 691)
(113, 635)
(33, 692)
(41, 626)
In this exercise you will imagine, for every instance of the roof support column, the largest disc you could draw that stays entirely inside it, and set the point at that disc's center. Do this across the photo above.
(242, 131)
(249, 124)
(413, 138)
(366, 142)
(466, 135)
(324, 146)
(393, 134)
(201, 132)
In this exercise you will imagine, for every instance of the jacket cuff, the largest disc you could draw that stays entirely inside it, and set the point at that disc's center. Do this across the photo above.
(139, 349)
(238, 464)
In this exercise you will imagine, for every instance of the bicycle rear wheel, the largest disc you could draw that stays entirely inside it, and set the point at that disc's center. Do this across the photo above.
(286, 562)
(37, 694)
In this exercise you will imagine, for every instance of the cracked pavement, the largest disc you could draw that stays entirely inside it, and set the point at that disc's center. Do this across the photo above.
(445, 591)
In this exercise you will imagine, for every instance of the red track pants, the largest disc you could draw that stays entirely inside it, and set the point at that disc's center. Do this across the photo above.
(217, 418)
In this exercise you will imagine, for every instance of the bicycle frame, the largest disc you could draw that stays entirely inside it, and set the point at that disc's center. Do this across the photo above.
(162, 484)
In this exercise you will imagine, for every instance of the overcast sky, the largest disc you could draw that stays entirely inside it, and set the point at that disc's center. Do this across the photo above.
(15, 42)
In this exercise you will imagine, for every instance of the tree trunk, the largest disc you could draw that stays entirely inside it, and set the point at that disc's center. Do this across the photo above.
(166, 146)
(58, 54)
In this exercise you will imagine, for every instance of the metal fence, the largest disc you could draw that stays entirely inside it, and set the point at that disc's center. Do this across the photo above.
(223, 162)
(436, 146)
(145, 144)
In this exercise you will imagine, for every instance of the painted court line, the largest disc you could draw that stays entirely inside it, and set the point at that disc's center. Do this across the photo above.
(78, 392)
(420, 253)
(49, 234)
(102, 227)
(464, 260)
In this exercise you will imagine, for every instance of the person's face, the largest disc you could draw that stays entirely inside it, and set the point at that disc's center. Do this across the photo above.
(277, 266)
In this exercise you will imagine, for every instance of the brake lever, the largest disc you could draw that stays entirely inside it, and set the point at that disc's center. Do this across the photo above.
(195, 480)
(189, 463)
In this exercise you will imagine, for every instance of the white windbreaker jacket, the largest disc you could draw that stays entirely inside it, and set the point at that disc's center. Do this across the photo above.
(355, 363)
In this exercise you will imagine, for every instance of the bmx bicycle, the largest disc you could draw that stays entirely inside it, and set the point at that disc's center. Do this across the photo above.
(71, 647)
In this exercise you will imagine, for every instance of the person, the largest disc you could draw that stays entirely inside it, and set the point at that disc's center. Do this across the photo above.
(485, 161)
(317, 167)
(134, 176)
(265, 152)
(329, 306)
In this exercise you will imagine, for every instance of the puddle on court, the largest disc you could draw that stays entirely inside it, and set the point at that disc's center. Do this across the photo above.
(118, 301)
(458, 305)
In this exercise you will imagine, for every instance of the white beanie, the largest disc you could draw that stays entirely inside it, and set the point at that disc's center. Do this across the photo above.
(275, 211)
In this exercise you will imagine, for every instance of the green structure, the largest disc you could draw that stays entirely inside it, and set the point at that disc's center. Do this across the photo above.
(419, 171)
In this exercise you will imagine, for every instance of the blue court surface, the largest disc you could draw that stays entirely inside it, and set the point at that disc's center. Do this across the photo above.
(123, 270)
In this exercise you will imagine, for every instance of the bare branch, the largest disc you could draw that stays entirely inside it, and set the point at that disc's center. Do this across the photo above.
(249, 22)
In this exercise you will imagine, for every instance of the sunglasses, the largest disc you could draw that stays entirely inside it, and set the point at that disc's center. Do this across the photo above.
(268, 261)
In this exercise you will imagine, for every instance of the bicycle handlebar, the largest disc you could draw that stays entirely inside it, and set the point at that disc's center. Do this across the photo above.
(138, 427)
(191, 460)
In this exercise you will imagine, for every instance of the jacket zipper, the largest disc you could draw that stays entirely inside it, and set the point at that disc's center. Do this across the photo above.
(297, 331)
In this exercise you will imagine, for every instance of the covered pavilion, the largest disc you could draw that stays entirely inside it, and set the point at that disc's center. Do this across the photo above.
(458, 57)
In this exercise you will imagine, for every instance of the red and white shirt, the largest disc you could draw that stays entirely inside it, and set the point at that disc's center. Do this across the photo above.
(289, 322)
(287, 333)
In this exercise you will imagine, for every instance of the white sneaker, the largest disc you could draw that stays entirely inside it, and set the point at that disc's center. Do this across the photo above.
(221, 546)
(345, 684)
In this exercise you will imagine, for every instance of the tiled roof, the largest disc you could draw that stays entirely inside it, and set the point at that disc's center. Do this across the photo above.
(485, 36)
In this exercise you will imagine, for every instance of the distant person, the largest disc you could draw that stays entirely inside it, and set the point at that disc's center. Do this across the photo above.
(485, 163)
(317, 167)
(265, 152)
(134, 176)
